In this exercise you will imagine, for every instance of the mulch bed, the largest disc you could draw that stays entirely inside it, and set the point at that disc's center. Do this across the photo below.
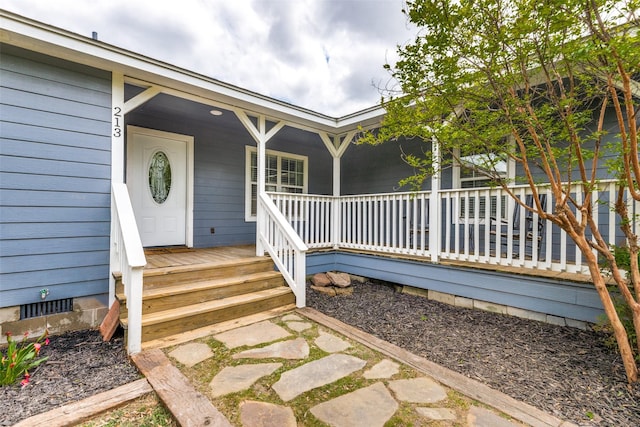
(80, 365)
(564, 371)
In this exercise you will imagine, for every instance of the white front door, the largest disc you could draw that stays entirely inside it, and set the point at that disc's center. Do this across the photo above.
(157, 179)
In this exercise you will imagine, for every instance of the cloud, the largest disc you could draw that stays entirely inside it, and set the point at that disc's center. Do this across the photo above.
(318, 54)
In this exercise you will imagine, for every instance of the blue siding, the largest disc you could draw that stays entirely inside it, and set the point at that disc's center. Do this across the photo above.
(370, 169)
(558, 298)
(55, 165)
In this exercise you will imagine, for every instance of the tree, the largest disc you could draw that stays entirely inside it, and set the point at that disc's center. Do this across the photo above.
(545, 73)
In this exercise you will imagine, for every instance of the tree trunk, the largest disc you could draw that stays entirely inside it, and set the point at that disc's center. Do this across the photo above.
(619, 331)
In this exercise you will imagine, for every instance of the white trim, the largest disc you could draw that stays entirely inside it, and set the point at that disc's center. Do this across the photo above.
(280, 154)
(189, 141)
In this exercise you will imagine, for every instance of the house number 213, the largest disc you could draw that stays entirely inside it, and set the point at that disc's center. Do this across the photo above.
(117, 126)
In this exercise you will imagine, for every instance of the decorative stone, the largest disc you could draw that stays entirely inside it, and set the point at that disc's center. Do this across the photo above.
(299, 326)
(292, 349)
(237, 378)
(321, 280)
(384, 369)
(480, 417)
(328, 290)
(191, 354)
(331, 343)
(255, 334)
(436, 414)
(418, 390)
(344, 291)
(341, 280)
(368, 407)
(262, 414)
(316, 374)
(358, 279)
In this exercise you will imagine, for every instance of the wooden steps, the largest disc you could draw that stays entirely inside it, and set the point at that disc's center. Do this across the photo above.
(183, 298)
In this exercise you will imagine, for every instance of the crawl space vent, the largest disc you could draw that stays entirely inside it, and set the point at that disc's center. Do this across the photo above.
(46, 308)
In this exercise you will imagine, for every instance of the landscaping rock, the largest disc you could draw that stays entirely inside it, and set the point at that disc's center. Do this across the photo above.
(368, 407)
(237, 378)
(418, 390)
(299, 326)
(341, 280)
(258, 333)
(331, 343)
(436, 414)
(344, 291)
(384, 369)
(321, 280)
(191, 354)
(316, 374)
(331, 291)
(261, 414)
(291, 349)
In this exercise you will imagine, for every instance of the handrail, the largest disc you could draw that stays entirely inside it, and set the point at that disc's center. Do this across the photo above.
(130, 260)
(286, 248)
(466, 225)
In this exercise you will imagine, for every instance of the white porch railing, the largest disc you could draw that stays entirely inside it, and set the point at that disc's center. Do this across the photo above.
(286, 248)
(475, 225)
(129, 259)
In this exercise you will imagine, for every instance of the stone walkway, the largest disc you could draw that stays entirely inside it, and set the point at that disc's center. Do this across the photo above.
(387, 386)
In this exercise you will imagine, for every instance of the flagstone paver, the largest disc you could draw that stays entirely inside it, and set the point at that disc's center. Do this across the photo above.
(418, 390)
(367, 407)
(383, 369)
(236, 378)
(316, 374)
(291, 349)
(192, 353)
(262, 414)
(480, 417)
(436, 414)
(292, 318)
(330, 343)
(255, 334)
(299, 326)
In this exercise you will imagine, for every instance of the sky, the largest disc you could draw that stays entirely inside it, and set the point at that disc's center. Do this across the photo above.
(324, 55)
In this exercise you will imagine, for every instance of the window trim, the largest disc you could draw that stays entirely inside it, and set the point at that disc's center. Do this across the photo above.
(249, 150)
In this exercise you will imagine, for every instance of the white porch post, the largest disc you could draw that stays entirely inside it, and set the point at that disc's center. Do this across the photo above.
(435, 207)
(336, 148)
(261, 136)
(262, 154)
(117, 166)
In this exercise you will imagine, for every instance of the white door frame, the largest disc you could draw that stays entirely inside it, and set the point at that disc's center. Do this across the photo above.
(189, 141)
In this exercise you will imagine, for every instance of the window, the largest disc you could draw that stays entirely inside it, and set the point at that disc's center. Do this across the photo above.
(469, 174)
(285, 173)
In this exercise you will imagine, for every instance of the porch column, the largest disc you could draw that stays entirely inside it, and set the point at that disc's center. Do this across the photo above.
(261, 136)
(336, 148)
(435, 207)
(117, 166)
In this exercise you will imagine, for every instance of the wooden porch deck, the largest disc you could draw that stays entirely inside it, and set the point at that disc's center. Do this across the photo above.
(178, 256)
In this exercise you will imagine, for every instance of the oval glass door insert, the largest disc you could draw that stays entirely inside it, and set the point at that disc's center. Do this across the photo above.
(160, 177)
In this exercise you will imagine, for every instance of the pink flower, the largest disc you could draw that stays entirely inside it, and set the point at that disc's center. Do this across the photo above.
(46, 341)
(8, 334)
(24, 382)
(37, 347)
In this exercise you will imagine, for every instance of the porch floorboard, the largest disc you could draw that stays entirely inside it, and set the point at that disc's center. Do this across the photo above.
(177, 256)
